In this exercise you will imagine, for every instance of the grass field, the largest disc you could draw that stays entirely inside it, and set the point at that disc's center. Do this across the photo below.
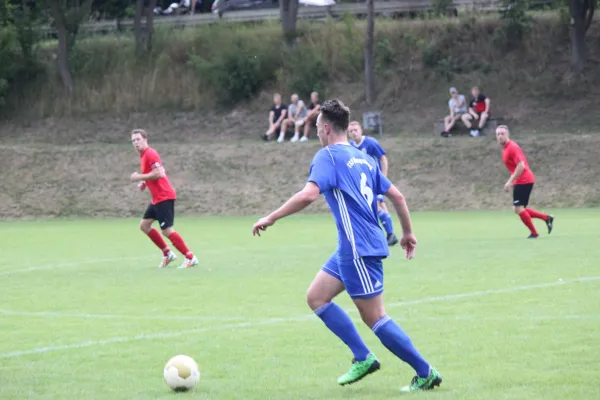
(85, 312)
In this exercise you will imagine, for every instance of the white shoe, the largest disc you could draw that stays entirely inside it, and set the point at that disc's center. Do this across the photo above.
(189, 263)
(280, 139)
(294, 139)
(304, 139)
(167, 260)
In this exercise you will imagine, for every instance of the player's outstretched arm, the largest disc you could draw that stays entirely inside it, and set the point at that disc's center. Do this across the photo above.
(408, 241)
(297, 202)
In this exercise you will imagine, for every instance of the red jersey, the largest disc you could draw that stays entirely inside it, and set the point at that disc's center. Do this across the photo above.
(512, 155)
(161, 188)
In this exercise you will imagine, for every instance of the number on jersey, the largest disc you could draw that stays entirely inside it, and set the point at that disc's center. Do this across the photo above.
(366, 191)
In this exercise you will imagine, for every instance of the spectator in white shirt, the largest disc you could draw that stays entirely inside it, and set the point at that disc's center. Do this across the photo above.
(458, 107)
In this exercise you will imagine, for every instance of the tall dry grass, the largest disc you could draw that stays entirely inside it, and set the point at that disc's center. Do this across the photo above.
(209, 66)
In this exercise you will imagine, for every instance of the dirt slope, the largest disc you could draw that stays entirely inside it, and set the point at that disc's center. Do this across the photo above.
(230, 177)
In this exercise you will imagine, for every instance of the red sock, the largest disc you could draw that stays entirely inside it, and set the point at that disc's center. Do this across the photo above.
(526, 218)
(537, 214)
(158, 241)
(180, 245)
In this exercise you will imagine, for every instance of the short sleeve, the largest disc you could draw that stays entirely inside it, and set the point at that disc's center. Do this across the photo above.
(472, 102)
(378, 151)
(153, 160)
(383, 183)
(322, 171)
(517, 155)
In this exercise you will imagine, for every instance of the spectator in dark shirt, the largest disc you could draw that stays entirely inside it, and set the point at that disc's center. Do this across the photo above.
(277, 115)
(479, 110)
(310, 121)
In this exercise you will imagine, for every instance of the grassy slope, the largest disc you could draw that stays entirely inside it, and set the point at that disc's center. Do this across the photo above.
(250, 177)
(99, 320)
(529, 82)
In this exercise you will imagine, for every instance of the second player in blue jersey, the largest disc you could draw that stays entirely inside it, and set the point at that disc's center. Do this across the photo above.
(350, 181)
(372, 147)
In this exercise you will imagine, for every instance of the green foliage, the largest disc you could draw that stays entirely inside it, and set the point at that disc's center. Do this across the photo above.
(516, 24)
(17, 48)
(441, 7)
(236, 73)
(305, 71)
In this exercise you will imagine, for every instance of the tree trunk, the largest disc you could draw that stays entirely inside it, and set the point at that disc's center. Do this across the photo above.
(137, 25)
(369, 61)
(143, 31)
(288, 10)
(582, 14)
(150, 24)
(63, 45)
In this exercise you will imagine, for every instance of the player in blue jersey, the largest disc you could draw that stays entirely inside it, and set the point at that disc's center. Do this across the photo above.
(350, 181)
(372, 147)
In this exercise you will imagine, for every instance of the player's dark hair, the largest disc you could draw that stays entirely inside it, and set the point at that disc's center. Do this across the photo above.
(141, 132)
(336, 114)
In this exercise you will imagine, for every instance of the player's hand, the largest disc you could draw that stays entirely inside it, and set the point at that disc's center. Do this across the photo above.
(135, 176)
(408, 243)
(508, 186)
(261, 225)
(141, 186)
(476, 116)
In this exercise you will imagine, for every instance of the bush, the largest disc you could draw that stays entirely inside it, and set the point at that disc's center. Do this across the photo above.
(305, 71)
(517, 24)
(237, 73)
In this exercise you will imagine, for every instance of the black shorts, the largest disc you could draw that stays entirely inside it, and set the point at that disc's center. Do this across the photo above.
(521, 194)
(163, 212)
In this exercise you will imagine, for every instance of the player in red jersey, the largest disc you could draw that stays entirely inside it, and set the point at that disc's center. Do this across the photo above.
(521, 181)
(162, 208)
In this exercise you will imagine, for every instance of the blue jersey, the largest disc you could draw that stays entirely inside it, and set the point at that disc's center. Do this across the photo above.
(372, 147)
(350, 181)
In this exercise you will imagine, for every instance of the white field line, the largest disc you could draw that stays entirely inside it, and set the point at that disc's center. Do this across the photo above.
(272, 321)
(556, 317)
(59, 314)
(74, 264)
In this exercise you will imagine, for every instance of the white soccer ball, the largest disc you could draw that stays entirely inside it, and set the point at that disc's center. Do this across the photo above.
(181, 373)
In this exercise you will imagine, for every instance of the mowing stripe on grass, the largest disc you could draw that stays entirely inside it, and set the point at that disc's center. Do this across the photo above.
(272, 321)
(73, 264)
(58, 314)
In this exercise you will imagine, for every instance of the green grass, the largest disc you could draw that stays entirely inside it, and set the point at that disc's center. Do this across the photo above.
(75, 324)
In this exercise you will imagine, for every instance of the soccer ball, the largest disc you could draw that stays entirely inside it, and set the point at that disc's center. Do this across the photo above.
(181, 373)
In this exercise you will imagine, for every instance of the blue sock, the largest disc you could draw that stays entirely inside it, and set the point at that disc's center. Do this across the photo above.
(340, 323)
(398, 342)
(386, 221)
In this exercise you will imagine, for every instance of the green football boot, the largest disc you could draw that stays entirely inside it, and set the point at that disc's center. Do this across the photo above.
(359, 370)
(434, 379)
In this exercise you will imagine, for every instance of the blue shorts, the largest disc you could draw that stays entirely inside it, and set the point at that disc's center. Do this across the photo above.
(362, 277)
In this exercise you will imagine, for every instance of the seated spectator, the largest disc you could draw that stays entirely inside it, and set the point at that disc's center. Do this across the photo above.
(458, 107)
(277, 115)
(310, 121)
(479, 109)
(297, 111)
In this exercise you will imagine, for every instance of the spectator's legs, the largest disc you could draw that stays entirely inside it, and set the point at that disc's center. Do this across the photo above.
(272, 131)
(482, 119)
(307, 125)
(284, 127)
(466, 119)
(449, 123)
(296, 130)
